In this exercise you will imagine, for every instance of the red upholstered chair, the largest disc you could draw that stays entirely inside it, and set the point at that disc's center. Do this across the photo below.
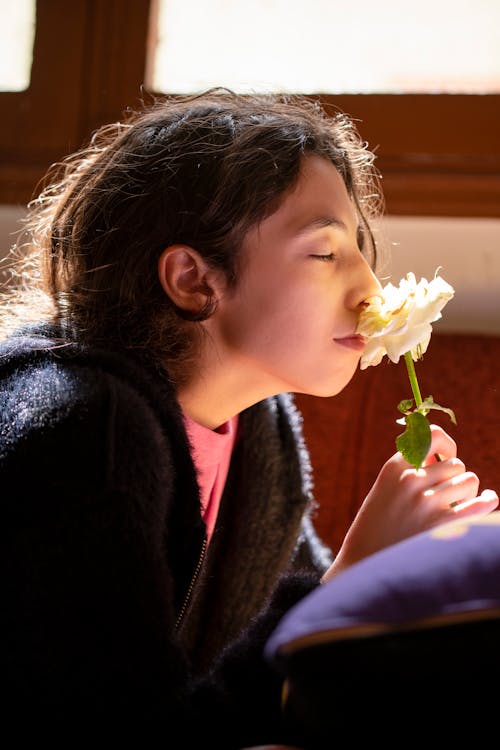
(351, 435)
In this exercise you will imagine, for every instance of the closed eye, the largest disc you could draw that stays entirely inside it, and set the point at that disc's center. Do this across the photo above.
(326, 258)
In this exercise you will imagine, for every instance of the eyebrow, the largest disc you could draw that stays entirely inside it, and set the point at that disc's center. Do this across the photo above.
(331, 221)
(323, 221)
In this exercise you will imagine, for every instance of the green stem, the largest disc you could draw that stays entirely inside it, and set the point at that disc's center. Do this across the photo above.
(413, 378)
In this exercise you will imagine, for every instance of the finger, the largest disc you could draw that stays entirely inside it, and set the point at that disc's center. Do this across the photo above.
(442, 445)
(439, 471)
(455, 490)
(429, 478)
(483, 504)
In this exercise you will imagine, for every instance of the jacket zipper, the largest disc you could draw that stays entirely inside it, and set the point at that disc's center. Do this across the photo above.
(192, 584)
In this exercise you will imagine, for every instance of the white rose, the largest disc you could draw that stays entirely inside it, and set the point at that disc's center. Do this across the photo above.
(399, 319)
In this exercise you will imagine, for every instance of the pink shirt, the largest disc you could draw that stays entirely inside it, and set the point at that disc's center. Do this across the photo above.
(211, 451)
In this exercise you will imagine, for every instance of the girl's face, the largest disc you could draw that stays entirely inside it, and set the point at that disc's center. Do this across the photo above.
(289, 324)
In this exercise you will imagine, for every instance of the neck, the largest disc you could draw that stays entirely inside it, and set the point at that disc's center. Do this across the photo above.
(221, 390)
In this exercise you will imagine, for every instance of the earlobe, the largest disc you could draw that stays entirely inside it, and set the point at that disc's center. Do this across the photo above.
(183, 274)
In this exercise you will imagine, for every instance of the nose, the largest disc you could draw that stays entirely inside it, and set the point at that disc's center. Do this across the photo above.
(366, 285)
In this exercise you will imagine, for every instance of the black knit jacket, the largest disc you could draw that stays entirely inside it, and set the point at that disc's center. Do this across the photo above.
(114, 613)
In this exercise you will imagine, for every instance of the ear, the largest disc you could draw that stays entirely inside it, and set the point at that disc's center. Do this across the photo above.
(184, 276)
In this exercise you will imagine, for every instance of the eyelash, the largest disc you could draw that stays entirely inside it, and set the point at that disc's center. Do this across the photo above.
(325, 258)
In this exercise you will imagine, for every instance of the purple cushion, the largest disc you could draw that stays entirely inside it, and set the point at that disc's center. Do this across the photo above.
(451, 572)
(401, 639)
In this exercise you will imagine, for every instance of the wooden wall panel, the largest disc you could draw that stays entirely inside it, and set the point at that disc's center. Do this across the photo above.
(439, 155)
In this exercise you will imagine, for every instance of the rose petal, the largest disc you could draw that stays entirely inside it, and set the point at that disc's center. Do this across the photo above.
(399, 319)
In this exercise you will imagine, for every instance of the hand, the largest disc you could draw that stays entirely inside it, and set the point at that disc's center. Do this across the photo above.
(405, 501)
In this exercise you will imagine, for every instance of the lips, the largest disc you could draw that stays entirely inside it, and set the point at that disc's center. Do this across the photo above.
(355, 342)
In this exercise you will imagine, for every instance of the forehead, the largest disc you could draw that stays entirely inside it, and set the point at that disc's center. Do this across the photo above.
(319, 198)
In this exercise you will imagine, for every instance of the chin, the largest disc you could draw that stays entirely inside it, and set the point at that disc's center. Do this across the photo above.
(327, 386)
(334, 386)
(325, 390)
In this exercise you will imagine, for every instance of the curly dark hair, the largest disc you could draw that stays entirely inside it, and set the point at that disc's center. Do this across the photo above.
(198, 170)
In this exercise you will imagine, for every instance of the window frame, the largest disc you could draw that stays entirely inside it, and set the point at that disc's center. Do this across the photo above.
(438, 154)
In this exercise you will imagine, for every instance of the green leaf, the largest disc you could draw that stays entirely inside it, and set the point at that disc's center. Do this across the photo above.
(405, 405)
(429, 404)
(415, 441)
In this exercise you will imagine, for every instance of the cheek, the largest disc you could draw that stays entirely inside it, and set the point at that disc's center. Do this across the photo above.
(268, 327)
(262, 300)
(273, 309)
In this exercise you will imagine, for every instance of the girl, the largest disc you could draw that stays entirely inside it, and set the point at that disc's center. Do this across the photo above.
(187, 272)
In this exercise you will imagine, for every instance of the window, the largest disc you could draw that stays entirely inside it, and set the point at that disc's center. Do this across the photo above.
(88, 67)
(439, 154)
(328, 46)
(16, 44)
